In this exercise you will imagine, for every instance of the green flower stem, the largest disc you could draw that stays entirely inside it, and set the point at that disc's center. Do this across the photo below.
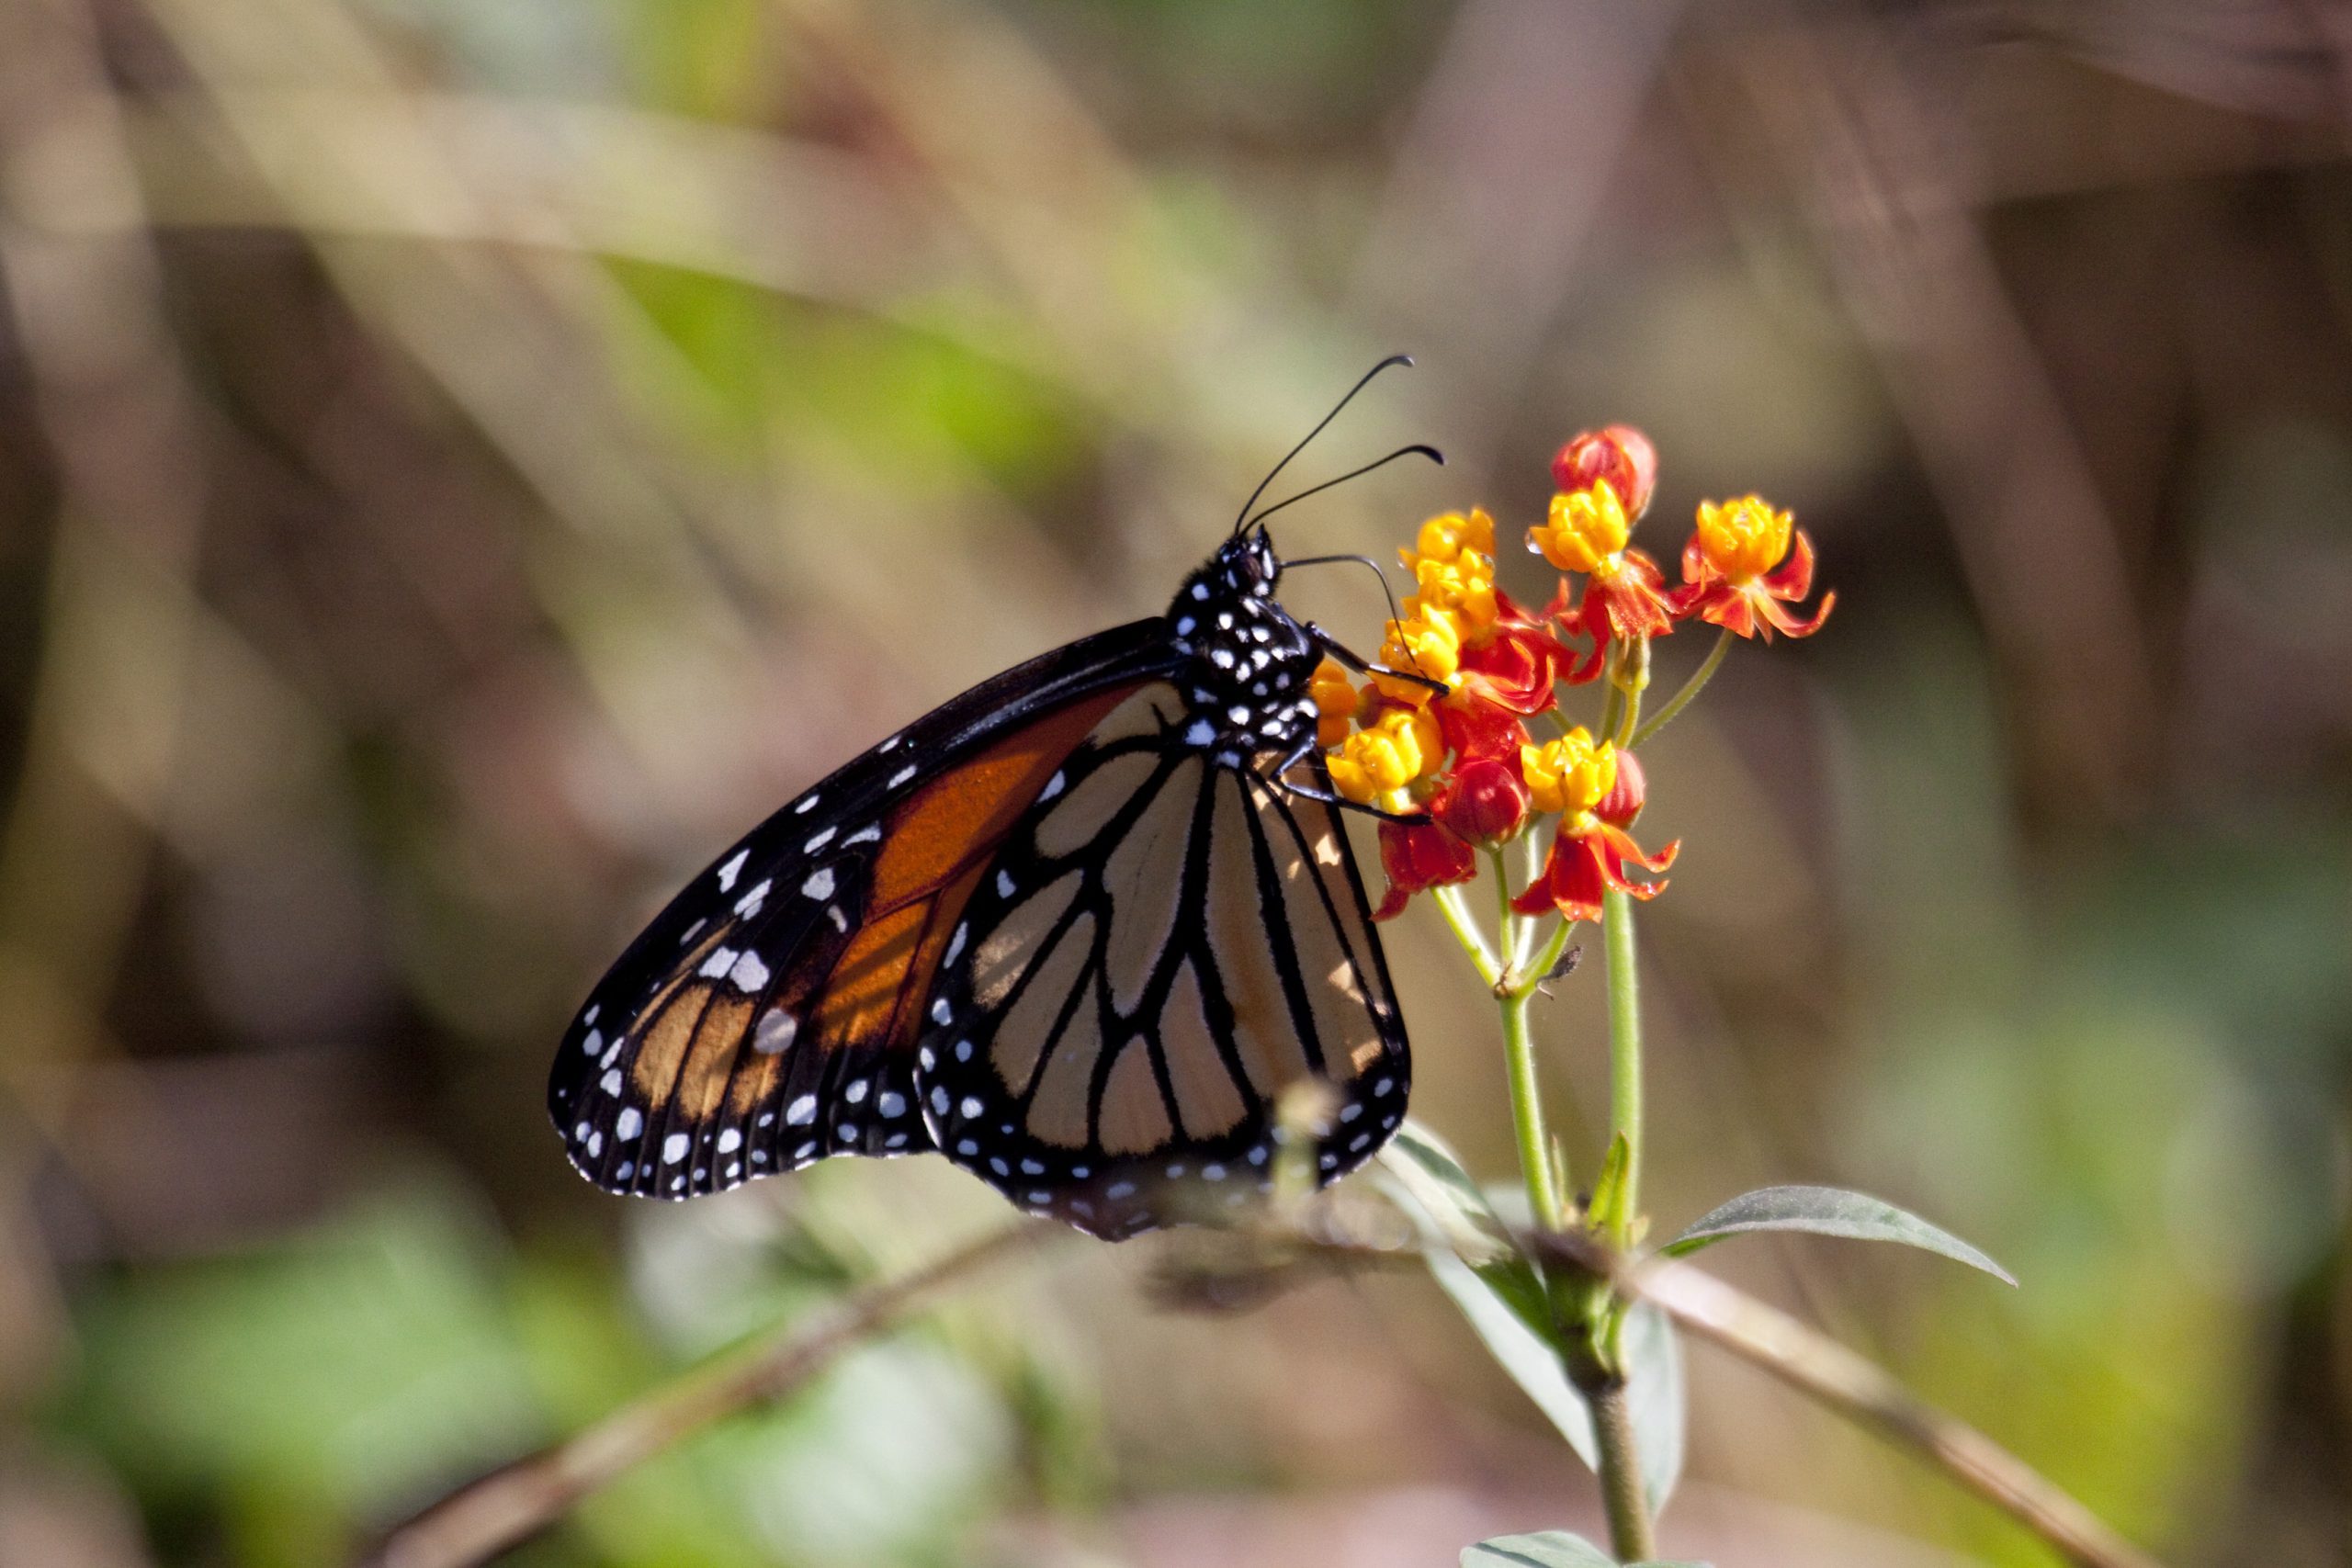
(1690, 688)
(1467, 933)
(1624, 1051)
(1527, 1114)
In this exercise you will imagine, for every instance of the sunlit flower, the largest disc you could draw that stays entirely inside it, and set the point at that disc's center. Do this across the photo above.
(1425, 644)
(1618, 454)
(1336, 700)
(1378, 764)
(1597, 791)
(1419, 856)
(1746, 560)
(1484, 800)
(1625, 596)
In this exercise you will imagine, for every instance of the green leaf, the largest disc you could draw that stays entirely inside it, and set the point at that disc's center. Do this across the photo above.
(1550, 1549)
(1468, 1252)
(1830, 1210)
(1609, 1214)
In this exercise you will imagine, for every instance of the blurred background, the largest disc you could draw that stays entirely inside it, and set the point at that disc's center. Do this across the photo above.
(461, 464)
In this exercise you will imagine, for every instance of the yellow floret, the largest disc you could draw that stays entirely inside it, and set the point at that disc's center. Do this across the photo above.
(1746, 539)
(1374, 766)
(1445, 538)
(1569, 775)
(1462, 589)
(1429, 644)
(1335, 697)
(1586, 527)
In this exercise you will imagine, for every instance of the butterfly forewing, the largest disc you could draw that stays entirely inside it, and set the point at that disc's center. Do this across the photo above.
(1161, 949)
(768, 1017)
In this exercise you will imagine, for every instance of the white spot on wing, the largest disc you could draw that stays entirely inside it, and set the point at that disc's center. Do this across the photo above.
(749, 973)
(629, 1124)
(818, 840)
(774, 1031)
(820, 884)
(610, 1083)
(729, 1141)
(674, 1147)
(731, 870)
(801, 1111)
(901, 777)
(720, 961)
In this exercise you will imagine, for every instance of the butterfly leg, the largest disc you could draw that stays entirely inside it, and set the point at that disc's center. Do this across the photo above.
(1362, 666)
(1278, 777)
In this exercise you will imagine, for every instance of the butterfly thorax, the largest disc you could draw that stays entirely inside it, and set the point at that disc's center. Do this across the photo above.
(1249, 663)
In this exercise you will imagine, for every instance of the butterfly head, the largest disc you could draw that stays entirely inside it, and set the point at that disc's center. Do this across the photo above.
(1248, 662)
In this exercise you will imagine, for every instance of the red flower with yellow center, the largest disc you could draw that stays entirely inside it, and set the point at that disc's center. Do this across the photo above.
(1598, 793)
(1745, 561)
(1625, 594)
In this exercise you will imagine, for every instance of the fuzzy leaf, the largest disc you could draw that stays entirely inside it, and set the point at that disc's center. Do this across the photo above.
(1503, 1300)
(1550, 1549)
(1830, 1210)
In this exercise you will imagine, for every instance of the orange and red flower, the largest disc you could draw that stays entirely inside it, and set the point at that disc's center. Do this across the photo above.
(1598, 791)
(1745, 560)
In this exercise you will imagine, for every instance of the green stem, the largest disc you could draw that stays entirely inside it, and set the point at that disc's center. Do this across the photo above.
(1622, 1492)
(1467, 933)
(1527, 1114)
(1690, 688)
(1625, 1050)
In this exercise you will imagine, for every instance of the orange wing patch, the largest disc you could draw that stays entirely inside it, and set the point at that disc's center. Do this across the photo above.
(936, 846)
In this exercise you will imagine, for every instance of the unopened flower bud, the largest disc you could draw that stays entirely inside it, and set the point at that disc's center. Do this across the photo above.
(1485, 801)
(1617, 453)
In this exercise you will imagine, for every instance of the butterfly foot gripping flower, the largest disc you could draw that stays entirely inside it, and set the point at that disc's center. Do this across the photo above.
(1597, 791)
(1745, 561)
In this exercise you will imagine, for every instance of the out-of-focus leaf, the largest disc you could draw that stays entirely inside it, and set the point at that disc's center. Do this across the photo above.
(1503, 1300)
(1830, 1210)
(1546, 1549)
(1551, 1549)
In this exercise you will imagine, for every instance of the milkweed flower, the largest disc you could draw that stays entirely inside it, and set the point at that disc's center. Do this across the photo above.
(1378, 764)
(1746, 560)
(1618, 454)
(1598, 791)
(1625, 596)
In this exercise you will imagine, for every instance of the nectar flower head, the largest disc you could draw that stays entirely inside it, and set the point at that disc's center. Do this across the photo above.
(1484, 801)
(1462, 590)
(1336, 701)
(1736, 576)
(1379, 763)
(1419, 856)
(1617, 453)
(1586, 528)
(1445, 537)
(1570, 776)
(1428, 644)
(1743, 538)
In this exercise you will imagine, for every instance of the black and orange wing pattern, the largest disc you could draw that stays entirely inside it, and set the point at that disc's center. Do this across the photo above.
(770, 1015)
(1160, 949)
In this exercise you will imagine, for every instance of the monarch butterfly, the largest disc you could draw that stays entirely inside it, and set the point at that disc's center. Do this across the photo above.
(1079, 929)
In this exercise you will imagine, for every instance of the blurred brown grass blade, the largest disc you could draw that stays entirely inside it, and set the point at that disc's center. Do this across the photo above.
(488, 1516)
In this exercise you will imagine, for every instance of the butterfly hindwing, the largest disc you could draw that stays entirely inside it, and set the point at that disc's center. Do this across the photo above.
(1161, 948)
(768, 1016)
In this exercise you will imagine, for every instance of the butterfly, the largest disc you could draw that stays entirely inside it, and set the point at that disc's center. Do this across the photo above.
(1084, 930)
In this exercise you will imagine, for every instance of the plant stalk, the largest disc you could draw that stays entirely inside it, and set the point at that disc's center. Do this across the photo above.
(1690, 688)
(1624, 1051)
(1527, 1113)
(1623, 1496)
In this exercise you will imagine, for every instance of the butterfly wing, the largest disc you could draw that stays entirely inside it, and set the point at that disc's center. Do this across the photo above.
(1160, 950)
(768, 1016)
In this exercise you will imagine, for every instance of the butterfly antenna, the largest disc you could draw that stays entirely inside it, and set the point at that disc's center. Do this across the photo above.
(1242, 522)
(1385, 591)
(1416, 450)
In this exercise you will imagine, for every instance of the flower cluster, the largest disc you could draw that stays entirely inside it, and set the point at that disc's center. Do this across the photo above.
(1437, 738)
